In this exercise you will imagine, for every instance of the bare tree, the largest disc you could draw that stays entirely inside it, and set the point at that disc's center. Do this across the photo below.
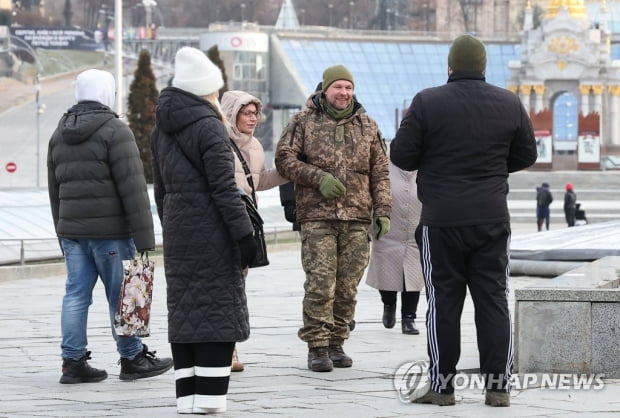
(469, 9)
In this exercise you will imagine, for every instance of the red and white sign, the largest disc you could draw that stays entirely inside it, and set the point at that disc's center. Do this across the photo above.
(11, 167)
(236, 41)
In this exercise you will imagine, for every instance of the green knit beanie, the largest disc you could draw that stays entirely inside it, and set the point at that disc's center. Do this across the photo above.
(467, 54)
(337, 72)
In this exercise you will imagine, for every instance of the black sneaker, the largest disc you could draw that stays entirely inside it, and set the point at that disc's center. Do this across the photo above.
(79, 371)
(497, 398)
(435, 398)
(145, 364)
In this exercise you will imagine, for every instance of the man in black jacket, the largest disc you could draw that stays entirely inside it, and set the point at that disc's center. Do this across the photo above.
(101, 213)
(544, 198)
(464, 138)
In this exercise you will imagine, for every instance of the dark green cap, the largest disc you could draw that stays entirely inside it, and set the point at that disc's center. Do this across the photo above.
(467, 54)
(337, 72)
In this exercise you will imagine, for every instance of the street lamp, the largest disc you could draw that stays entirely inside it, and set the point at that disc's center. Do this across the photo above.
(303, 16)
(242, 12)
(39, 110)
(331, 8)
(148, 8)
(25, 46)
(351, 4)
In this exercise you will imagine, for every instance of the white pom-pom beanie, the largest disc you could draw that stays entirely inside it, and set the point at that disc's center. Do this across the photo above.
(195, 73)
(96, 86)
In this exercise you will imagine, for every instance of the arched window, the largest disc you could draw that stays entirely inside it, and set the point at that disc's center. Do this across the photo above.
(565, 121)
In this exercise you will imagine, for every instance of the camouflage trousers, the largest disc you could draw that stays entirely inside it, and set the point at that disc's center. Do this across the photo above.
(334, 255)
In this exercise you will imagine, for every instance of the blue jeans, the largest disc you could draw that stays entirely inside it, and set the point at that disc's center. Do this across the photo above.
(86, 260)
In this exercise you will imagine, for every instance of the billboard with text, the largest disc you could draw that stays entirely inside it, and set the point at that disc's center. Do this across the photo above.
(61, 38)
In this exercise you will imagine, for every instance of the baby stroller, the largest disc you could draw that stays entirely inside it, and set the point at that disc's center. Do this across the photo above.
(580, 215)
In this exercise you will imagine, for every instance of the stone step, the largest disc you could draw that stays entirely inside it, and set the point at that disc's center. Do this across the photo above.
(558, 195)
(597, 210)
(581, 180)
(597, 191)
(559, 217)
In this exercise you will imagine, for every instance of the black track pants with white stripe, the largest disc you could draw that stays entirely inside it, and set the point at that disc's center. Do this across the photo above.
(202, 374)
(455, 259)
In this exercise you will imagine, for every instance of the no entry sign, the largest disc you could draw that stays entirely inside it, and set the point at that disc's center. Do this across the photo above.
(11, 167)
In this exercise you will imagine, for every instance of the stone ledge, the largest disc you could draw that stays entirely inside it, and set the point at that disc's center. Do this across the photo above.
(569, 324)
(603, 273)
(568, 295)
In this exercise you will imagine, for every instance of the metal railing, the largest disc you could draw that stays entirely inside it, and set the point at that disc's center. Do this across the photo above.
(50, 249)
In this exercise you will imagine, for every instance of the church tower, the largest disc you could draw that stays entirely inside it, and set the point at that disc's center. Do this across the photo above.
(568, 83)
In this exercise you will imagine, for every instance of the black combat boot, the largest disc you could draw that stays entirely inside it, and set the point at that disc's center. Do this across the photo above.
(318, 359)
(145, 364)
(79, 371)
(338, 357)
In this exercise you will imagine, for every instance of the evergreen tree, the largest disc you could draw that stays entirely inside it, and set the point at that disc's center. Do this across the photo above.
(214, 55)
(141, 109)
(5, 17)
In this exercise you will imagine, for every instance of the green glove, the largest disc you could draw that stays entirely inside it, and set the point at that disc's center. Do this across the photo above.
(382, 226)
(331, 187)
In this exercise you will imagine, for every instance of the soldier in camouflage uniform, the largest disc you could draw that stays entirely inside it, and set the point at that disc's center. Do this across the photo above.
(334, 153)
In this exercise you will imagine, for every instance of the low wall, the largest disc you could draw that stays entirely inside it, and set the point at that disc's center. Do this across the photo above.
(571, 324)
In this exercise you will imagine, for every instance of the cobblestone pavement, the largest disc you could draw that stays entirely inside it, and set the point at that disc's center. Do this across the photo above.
(276, 381)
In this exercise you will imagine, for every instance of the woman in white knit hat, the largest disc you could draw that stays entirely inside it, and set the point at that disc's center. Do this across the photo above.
(207, 234)
(242, 112)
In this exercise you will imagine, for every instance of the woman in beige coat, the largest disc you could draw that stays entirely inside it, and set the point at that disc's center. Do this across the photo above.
(395, 260)
(243, 113)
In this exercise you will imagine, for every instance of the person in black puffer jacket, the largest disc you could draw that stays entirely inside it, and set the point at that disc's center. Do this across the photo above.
(207, 233)
(101, 213)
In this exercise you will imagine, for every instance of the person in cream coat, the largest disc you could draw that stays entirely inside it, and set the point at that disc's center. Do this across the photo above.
(394, 259)
(243, 113)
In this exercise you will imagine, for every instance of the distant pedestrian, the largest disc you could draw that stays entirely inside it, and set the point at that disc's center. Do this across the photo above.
(464, 138)
(336, 157)
(570, 208)
(208, 237)
(394, 259)
(543, 200)
(101, 213)
(243, 113)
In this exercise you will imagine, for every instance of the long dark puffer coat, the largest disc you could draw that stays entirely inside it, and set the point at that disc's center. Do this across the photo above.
(202, 217)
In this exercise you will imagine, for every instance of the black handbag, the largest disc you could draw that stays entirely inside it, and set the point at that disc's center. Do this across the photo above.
(261, 259)
(256, 220)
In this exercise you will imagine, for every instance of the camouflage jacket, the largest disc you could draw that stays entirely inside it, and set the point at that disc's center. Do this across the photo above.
(352, 149)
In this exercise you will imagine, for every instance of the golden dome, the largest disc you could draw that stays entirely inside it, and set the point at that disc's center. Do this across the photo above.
(576, 8)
